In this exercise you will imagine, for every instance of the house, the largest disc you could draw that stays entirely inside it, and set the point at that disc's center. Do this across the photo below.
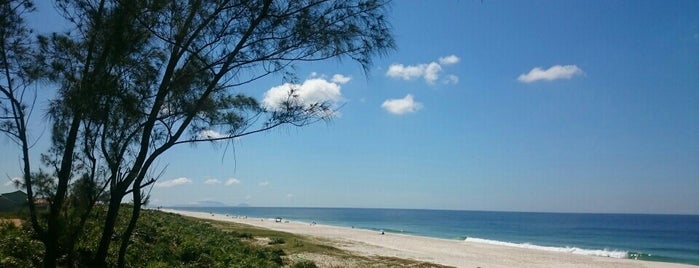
(13, 201)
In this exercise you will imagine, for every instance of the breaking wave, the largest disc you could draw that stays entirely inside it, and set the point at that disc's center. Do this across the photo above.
(573, 250)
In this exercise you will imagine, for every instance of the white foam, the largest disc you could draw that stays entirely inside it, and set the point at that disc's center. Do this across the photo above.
(573, 250)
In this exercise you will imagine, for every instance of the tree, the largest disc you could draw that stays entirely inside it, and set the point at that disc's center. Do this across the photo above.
(137, 78)
(16, 75)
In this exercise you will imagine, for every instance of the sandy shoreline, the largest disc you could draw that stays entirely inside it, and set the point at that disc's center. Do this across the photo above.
(440, 251)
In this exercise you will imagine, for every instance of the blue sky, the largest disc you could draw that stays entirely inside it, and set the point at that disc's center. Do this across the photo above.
(558, 106)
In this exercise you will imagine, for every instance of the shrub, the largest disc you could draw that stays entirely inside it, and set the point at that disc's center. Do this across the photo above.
(168, 240)
(304, 264)
(17, 248)
(245, 236)
(276, 241)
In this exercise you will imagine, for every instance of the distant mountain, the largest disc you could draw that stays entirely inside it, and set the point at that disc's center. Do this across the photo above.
(243, 205)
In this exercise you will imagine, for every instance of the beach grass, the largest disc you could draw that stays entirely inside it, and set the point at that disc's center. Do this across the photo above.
(160, 240)
(165, 239)
(321, 252)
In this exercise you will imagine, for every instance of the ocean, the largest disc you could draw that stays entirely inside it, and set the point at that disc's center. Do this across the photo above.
(666, 238)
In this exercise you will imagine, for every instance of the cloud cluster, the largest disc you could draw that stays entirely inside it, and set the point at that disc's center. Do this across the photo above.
(451, 59)
(263, 184)
(232, 181)
(14, 181)
(212, 181)
(211, 134)
(554, 73)
(183, 181)
(401, 106)
(428, 71)
(229, 182)
(174, 182)
(312, 91)
(340, 79)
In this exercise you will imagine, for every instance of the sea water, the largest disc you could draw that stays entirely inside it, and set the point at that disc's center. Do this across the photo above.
(667, 238)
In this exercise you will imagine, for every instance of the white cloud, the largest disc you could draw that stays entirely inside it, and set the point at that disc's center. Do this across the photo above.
(451, 59)
(312, 91)
(428, 71)
(340, 79)
(14, 181)
(263, 184)
(553, 73)
(211, 134)
(289, 195)
(232, 181)
(401, 106)
(212, 181)
(174, 182)
(451, 79)
(406, 72)
(432, 72)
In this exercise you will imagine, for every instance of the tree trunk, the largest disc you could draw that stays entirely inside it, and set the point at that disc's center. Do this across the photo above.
(76, 235)
(54, 227)
(135, 214)
(28, 176)
(109, 223)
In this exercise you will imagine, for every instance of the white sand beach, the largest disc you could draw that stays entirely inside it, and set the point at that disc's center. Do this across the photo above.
(439, 251)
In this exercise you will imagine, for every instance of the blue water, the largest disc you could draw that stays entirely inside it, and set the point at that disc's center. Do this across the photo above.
(667, 238)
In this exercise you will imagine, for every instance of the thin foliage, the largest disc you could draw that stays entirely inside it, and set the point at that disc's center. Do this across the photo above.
(136, 78)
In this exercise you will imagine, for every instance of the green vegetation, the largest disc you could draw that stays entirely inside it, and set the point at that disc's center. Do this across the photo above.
(304, 264)
(292, 244)
(17, 248)
(276, 241)
(170, 240)
(161, 240)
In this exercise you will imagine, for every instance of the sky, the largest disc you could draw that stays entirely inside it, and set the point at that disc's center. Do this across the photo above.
(547, 106)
